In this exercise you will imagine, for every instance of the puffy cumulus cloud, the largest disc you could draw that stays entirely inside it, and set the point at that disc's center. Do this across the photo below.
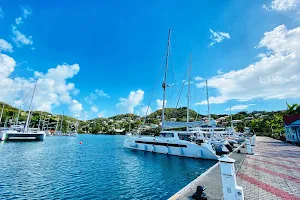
(127, 105)
(75, 108)
(94, 109)
(19, 38)
(240, 107)
(198, 78)
(220, 71)
(275, 75)
(218, 37)
(7, 66)
(94, 95)
(52, 87)
(282, 5)
(144, 110)
(5, 46)
(159, 103)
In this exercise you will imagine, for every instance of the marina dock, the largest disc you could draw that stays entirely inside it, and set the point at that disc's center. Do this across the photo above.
(273, 172)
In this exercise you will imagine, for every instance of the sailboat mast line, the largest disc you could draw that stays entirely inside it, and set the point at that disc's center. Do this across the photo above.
(164, 85)
(152, 93)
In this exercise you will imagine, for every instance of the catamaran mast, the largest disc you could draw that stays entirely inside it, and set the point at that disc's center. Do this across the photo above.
(61, 123)
(17, 119)
(231, 118)
(164, 85)
(29, 112)
(56, 126)
(207, 102)
(1, 113)
(189, 91)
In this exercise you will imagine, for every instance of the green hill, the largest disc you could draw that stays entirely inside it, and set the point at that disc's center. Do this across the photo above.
(260, 122)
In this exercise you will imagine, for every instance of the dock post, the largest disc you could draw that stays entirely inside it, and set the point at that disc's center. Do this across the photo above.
(230, 189)
(253, 140)
(248, 146)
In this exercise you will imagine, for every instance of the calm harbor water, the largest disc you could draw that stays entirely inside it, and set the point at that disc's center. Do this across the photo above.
(99, 168)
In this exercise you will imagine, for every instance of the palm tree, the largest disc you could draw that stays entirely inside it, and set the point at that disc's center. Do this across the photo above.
(292, 109)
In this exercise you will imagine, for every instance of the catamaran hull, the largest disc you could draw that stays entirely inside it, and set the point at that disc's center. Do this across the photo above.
(185, 149)
(23, 136)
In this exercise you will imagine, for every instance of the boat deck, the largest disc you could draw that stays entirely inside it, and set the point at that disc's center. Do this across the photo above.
(273, 172)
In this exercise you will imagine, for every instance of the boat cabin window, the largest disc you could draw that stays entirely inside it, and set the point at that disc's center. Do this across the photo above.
(167, 134)
(185, 137)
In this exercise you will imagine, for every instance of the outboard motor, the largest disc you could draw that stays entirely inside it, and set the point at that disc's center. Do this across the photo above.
(199, 194)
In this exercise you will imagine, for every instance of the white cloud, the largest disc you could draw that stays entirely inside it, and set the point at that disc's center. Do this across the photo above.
(101, 93)
(275, 76)
(19, 38)
(101, 114)
(240, 107)
(94, 95)
(75, 108)
(218, 37)
(159, 103)
(198, 78)
(144, 110)
(94, 109)
(5, 46)
(19, 21)
(52, 87)
(26, 12)
(7, 66)
(282, 5)
(1, 13)
(127, 105)
(186, 82)
(220, 71)
(213, 100)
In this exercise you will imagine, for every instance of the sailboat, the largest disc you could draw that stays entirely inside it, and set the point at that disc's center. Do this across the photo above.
(129, 132)
(19, 132)
(2, 129)
(170, 141)
(213, 133)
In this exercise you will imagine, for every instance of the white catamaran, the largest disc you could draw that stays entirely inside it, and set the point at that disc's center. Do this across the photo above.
(172, 142)
(20, 132)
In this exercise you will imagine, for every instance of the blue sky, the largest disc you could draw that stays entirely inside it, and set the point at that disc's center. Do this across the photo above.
(115, 50)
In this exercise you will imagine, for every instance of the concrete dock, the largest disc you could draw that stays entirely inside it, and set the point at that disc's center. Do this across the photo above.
(273, 172)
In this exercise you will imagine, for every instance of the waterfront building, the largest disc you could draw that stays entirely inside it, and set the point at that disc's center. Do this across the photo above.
(292, 128)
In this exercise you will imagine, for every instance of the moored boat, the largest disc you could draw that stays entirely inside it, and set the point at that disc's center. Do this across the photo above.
(172, 143)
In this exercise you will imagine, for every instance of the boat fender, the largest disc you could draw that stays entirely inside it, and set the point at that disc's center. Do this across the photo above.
(167, 149)
(145, 147)
(153, 148)
(181, 151)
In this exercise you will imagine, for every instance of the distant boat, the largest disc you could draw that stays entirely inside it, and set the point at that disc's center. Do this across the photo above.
(23, 132)
(129, 133)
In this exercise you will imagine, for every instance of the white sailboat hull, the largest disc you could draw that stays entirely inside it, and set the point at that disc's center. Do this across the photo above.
(171, 147)
(14, 135)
